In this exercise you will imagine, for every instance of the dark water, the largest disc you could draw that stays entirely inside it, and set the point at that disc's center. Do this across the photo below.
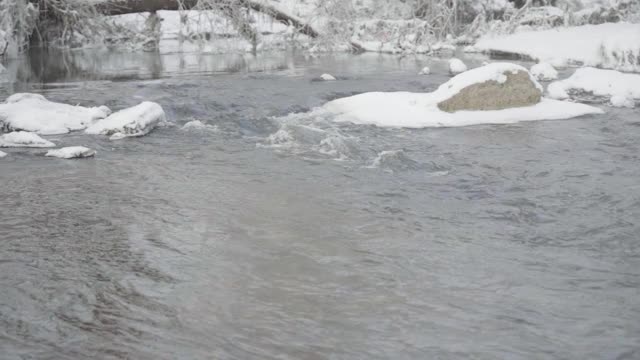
(265, 238)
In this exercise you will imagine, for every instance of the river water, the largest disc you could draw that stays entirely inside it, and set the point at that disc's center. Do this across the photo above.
(263, 236)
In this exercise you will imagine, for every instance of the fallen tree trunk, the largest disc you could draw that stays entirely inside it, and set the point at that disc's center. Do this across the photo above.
(121, 7)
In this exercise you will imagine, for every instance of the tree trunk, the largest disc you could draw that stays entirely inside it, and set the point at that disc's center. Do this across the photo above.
(120, 7)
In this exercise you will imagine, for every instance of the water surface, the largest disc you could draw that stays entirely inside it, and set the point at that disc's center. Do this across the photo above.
(265, 238)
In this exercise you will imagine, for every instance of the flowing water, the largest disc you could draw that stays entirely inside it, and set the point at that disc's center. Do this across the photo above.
(266, 236)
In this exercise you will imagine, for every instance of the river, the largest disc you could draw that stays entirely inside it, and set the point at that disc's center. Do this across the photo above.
(259, 237)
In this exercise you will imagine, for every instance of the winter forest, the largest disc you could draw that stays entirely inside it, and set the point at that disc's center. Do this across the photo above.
(319, 179)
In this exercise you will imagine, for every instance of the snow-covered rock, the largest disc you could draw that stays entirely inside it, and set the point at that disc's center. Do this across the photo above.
(598, 83)
(417, 110)
(622, 101)
(544, 72)
(24, 139)
(456, 66)
(495, 86)
(327, 77)
(610, 45)
(138, 120)
(33, 112)
(2, 154)
(198, 125)
(71, 152)
(425, 71)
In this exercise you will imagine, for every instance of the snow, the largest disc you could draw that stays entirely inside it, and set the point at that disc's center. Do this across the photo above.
(2, 154)
(71, 152)
(33, 112)
(491, 72)
(24, 139)
(425, 71)
(544, 72)
(198, 125)
(597, 82)
(138, 120)
(327, 77)
(622, 101)
(609, 45)
(456, 66)
(412, 110)
(418, 110)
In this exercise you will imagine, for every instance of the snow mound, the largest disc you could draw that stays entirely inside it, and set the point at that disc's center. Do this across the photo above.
(621, 101)
(2, 154)
(138, 120)
(327, 77)
(24, 139)
(544, 72)
(198, 125)
(33, 112)
(610, 45)
(417, 110)
(71, 152)
(598, 83)
(413, 110)
(425, 71)
(456, 66)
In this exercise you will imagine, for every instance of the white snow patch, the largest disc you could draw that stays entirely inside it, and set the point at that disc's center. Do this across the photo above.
(2, 154)
(597, 82)
(425, 71)
(544, 72)
(610, 45)
(621, 101)
(327, 77)
(32, 112)
(71, 152)
(24, 139)
(138, 120)
(456, 66)
(198, 125)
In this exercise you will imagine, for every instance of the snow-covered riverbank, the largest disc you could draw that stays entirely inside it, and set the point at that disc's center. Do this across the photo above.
(614, 46)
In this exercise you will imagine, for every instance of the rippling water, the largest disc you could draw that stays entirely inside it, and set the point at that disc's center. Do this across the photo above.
(267, 236)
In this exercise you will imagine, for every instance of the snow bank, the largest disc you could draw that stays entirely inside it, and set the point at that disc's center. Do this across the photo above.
(610, 45)
(138, 120)
(544, 72)
(416, 110)
(24, 139)
(597, 82)
(33, 112)
(71, 152)
(2, 154)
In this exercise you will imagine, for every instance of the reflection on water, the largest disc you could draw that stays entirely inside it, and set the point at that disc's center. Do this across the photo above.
(292, 237)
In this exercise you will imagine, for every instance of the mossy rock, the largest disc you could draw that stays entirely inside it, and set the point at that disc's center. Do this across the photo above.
(517, 91)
